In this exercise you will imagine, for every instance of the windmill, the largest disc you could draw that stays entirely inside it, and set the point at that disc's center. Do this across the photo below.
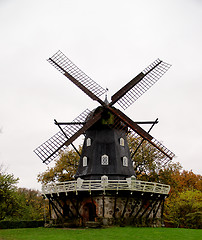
(106, 157)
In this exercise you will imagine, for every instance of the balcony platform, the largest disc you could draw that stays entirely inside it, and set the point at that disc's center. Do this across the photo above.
(80, 185)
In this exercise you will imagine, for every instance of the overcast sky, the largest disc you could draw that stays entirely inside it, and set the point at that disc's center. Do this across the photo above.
(111, 41)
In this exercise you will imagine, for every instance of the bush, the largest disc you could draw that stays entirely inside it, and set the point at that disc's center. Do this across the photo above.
(184, 209)
(21, 224)
(194, 220)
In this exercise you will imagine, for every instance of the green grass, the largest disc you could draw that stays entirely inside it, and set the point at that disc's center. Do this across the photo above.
(118, 233)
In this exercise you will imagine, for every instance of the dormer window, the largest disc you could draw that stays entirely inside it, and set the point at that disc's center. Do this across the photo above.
(88, 142)
(125, 161)
(85, 161)
(104, 160)
(122, 143)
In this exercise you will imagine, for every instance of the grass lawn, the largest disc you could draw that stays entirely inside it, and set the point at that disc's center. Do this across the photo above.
(118, 233)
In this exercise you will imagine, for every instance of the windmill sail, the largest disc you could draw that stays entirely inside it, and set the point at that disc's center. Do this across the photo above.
(135, 131)
(78, 77)
(161, 153)
(49, 150)
(140, 84)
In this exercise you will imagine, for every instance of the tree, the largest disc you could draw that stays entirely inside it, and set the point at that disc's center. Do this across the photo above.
(187, 180)
(9, 200)
(184, 205)
(149, 163)
(19, 203)
(32, 205)
(64, 169)
(185, 209)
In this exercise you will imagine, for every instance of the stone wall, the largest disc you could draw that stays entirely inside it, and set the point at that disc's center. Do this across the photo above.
(113, 209)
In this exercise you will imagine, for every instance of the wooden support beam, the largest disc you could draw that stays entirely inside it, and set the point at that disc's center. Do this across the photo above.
(49, 208)
(162, 208)
(103, 205)
(56, 208)
(124, 210)
(141, 207)
(152, 208)
(160, 200)
(150, 204)
(55, 211)
(114, 214)
(77, 210)
(60, 205)
(133, 208)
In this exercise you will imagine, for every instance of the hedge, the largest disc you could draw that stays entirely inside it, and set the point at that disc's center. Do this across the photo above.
(21, 224)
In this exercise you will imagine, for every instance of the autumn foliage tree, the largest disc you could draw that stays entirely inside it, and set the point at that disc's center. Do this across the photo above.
(184, 206)
(149, 164)
(64, 169)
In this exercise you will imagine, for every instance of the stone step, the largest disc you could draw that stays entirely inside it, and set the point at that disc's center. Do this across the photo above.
(92, 224)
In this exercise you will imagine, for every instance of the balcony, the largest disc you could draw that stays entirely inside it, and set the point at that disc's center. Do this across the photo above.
(104, 185)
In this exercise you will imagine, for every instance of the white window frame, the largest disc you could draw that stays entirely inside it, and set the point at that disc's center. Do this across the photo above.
(122, 142)
(125, 161)
(104, 160)
(88, 142)
(85, 161)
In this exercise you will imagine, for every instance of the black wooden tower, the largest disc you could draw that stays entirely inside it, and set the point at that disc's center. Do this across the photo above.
(105, 189)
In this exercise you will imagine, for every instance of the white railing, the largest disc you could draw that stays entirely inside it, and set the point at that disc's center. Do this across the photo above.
(109, 185)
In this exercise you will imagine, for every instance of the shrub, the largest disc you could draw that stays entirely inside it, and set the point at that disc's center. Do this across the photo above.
(193, 220)
(21, 224)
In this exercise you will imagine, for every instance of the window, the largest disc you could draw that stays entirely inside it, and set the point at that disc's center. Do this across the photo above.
(125, 161)
(122, 142)
(88, 142)
(105, 160)
(85, 161)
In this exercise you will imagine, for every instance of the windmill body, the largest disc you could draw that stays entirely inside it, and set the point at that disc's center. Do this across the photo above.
(105, 189)
(105, 151)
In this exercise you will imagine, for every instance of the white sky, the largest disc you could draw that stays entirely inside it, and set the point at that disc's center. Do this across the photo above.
(111, 41)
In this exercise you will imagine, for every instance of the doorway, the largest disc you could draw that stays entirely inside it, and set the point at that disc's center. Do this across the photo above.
(89, 212)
